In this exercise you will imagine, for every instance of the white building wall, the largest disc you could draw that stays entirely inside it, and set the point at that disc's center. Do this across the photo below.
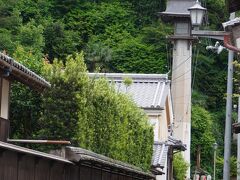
(163, 128)
(5, 86)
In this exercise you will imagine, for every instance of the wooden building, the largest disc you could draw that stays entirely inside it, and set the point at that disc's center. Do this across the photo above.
(11, 70)
(18, 163)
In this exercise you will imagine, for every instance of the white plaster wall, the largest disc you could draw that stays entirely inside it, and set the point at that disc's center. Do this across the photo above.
(5, 99)
(160, 124)
(163, 128)
(154, 121)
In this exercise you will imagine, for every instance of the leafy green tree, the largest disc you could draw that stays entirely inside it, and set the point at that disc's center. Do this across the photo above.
(34, 10)
(134, 56)
(31, 37)
(93, 19)
(202, 136)
(98, 57)
(147, 10)
(59, 43)
(9, 15)
(6, 41)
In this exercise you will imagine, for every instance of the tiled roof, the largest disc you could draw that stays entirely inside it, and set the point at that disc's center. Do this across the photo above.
(31, 152)
(22, 74)
(160, 151)
(77, 155)
(149, 91)
(177, 144)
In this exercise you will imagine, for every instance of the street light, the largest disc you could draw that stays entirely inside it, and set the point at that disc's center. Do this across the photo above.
(196, 14)
(215, 146)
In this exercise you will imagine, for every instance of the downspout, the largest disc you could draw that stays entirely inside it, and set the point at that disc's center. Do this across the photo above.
(228, 45)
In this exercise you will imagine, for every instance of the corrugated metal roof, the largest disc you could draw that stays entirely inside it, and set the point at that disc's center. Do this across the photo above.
(149, 91)
(77, 155)
(27, 151)
(23, 74)
(159, 158)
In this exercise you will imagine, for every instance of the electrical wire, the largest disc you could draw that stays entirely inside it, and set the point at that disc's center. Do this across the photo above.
(195, 69)
(189, 58)
(168, 60)
(182, 75)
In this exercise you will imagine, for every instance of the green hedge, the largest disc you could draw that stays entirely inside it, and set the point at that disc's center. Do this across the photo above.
(91, 114)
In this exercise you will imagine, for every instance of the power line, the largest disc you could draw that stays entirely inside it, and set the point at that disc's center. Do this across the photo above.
(195, 69)
(189, 57)
(181, 75)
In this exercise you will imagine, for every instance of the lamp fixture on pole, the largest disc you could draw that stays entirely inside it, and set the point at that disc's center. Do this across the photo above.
(197, 13)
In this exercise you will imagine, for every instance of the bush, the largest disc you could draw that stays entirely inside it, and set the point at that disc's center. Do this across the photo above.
(179, 167)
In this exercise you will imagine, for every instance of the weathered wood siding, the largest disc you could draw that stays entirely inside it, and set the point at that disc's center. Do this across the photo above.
(19, 166)
(4, 128)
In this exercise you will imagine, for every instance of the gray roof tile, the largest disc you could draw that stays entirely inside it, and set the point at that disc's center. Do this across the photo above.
(149, 91)
(31, 152)
(77, 154)
(159, 158)
(160, 151)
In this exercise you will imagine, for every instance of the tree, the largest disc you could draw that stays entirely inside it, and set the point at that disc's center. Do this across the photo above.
(34, 10)
(202, 136)
(98, 57)
(10, 16)
(6, 41)
(31, 37)
(59, 43)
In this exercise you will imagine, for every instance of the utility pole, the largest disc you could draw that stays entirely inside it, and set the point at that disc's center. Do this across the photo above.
(228, 122)
(238, 140)
(238, 136)
(215, 145)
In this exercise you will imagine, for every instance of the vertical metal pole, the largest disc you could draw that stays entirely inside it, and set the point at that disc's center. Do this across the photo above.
(228, 122)
(238, 143)
(214, 165)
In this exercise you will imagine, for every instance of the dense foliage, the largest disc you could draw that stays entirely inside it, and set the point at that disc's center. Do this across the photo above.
(179, 166)
(116, 36)
(92, 115)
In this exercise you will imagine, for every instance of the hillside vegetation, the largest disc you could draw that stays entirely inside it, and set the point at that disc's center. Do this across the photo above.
(115, 36)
